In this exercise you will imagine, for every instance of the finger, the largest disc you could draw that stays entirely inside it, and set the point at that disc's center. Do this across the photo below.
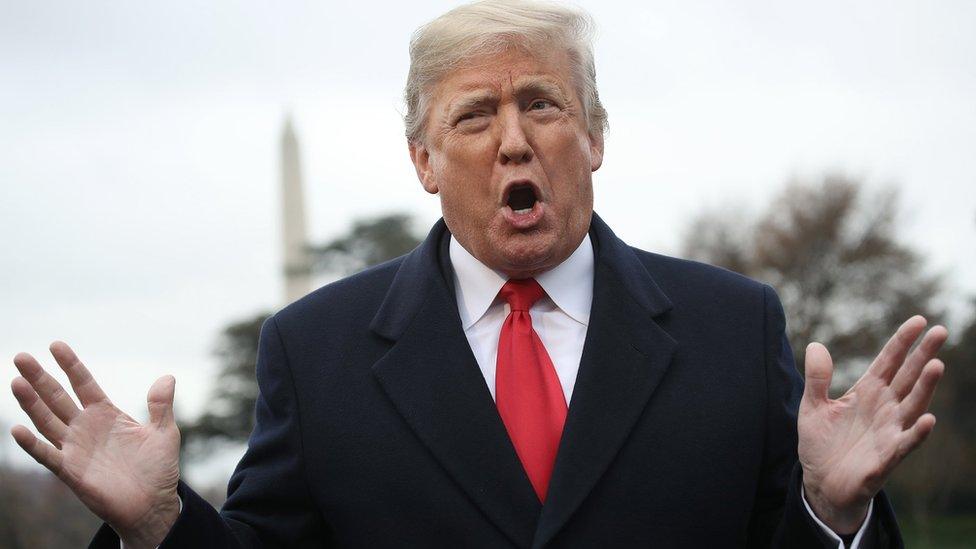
(40, 415)
(81, 379)
(908, 374)
(48, 388)
(893, 353)
(160, 401)
(915, 435)
(42, 452)
(920, 397)
(818, 369)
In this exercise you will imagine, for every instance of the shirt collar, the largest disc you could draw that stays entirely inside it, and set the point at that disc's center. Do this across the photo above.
(569, 285)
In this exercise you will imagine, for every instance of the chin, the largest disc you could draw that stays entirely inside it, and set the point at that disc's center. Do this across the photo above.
(527, 252)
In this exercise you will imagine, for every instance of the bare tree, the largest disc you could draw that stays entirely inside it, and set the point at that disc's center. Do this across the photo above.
(832, 251)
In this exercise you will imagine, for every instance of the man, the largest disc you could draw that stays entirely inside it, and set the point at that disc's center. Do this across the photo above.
(523, 378)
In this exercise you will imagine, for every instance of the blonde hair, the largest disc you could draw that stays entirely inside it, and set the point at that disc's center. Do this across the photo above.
(491, 26)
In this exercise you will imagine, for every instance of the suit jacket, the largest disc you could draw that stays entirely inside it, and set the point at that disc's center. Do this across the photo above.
(374, 426)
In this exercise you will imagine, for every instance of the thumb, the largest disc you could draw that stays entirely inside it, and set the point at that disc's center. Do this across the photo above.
(160, 400)
(818, 369)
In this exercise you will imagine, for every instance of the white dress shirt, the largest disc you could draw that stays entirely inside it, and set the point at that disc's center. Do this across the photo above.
(560, 318)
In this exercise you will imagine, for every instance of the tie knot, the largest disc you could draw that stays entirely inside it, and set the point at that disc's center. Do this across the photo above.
(521, 293)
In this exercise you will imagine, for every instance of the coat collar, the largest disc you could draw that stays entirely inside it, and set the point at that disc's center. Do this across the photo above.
(433, 380)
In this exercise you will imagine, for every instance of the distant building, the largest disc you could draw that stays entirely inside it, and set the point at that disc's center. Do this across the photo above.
(296, 260)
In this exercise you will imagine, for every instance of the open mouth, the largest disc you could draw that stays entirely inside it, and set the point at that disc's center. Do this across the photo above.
(521, 198)
(525, 205)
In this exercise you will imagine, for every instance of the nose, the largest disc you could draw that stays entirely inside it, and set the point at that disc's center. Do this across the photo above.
(514, 145)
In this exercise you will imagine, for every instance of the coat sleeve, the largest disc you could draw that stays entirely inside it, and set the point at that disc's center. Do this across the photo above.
(269, 504)
(779, 517)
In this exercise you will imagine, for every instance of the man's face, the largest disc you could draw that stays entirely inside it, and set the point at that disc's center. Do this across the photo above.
(508, 150)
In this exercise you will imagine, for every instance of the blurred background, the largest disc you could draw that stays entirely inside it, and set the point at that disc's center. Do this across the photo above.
(172, 173)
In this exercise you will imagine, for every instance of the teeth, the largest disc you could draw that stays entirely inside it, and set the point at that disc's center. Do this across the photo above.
(523, 211)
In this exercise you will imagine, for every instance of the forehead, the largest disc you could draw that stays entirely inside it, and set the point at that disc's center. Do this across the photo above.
(504, 72)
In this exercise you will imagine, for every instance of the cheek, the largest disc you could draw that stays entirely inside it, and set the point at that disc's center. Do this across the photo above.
(467, 169)
(464, 183)
(567, 165)
(569, 160)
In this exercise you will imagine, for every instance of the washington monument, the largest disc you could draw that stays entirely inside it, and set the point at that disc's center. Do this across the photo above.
(296, 261)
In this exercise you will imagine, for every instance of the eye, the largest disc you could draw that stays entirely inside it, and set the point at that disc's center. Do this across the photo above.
(472, 121)
(540, 104)
(467, 116)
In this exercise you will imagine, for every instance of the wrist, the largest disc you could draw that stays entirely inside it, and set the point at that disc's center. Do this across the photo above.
(152, 529)
(842, 519)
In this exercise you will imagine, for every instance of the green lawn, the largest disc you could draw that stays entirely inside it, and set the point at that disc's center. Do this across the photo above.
(953, 532)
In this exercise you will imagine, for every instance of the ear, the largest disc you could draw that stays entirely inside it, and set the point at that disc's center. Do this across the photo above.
(420, 157)
(596, 150)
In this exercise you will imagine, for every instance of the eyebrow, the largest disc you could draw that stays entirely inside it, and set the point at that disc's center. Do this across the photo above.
(532, 85)
(539, 86)
(472, 100)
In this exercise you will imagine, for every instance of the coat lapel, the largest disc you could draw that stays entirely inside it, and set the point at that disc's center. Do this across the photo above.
(433, 380)
(625, 355)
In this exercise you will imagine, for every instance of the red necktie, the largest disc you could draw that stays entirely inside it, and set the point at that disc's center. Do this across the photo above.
(527, 391)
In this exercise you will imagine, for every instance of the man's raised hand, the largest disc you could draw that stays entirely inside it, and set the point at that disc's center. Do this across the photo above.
(124, 471)
(849, 446)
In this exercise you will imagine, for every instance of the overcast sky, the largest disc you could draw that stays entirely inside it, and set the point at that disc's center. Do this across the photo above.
(138, 147)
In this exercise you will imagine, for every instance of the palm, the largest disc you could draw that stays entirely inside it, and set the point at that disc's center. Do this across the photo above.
(849, 446)
(117, 466)
(124, 471)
